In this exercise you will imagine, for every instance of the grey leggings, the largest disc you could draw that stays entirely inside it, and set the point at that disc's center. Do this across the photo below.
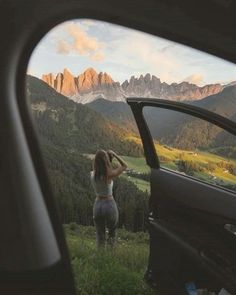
(105, 214)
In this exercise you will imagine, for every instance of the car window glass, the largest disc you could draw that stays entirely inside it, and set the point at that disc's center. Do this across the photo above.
(192, 146)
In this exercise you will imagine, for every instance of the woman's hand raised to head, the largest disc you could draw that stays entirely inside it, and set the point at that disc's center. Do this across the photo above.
(110, 152)
(123, 166)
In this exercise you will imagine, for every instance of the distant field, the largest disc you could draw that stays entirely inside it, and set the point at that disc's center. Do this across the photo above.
(138, 164)
(210, 167)
(202, 159)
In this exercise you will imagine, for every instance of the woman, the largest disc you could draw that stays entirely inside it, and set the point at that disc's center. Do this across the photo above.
(105, 212)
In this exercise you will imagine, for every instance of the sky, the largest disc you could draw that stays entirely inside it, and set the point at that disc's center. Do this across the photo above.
(122, 53)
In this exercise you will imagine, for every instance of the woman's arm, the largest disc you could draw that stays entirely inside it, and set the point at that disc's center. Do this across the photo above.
(117, 171)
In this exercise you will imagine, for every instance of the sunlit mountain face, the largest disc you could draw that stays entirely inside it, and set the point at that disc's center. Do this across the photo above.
(95, 53)
(90, 85)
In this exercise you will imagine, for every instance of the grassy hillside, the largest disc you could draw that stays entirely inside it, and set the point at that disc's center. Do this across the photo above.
(176, 129)
(73, 126)
(116, 111)
(118, 272)
(141, 184)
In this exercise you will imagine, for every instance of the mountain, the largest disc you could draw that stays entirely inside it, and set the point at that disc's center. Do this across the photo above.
(151, 86)
(173, 128)
(117, 111)
(91, 85)
(65, 123)
(187, 132)
(85, 87)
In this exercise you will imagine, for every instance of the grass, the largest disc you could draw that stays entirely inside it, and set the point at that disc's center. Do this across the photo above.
(138, 164)
(117, 271)
(172, 155)
(140, 183)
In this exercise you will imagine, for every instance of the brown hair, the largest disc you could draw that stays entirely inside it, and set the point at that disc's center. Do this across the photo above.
(101, 164)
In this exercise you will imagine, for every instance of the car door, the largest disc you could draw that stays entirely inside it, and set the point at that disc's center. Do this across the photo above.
(192, 221)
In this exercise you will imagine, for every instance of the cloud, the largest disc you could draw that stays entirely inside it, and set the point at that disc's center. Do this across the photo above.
(63, 47)
(79, 42)
(196, 78)
(143, 53)
(99, 56)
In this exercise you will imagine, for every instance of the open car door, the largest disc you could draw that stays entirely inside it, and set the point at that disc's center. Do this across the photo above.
(192, 221)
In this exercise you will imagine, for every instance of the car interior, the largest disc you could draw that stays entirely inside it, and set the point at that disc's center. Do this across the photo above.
(191, 222)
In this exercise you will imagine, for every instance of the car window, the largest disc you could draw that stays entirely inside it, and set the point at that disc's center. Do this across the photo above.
(192, 146)
(78, 79)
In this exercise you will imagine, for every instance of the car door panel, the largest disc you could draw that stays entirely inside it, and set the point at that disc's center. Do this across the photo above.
(191, 221)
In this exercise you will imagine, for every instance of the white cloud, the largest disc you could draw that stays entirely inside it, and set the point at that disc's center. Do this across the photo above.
(63, 47)
(79, 42)
(31, 72)
(143, 53)
(124, 52)
(196, 78)
(99, 56)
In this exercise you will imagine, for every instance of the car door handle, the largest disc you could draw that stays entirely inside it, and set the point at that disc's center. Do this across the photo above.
(230, 228)
(150, 216)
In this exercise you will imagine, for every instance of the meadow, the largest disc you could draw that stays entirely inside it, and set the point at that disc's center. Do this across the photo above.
(117, 271)
(203, 165)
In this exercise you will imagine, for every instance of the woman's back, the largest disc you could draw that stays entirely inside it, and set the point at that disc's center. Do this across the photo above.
(101, 187)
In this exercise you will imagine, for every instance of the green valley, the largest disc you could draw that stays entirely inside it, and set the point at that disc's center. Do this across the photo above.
(202, 165)
(67, 131)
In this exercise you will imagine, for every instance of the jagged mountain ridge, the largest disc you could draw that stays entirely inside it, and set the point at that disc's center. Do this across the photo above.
(86, 87)
(64, 123)
(91, 85)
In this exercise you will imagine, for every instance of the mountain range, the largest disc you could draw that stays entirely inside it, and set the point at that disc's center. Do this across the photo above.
(64, 123)
(90, 85)
(101, 94)
(176, 129)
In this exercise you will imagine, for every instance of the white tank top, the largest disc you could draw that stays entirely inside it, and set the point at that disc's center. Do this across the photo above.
(101, 187)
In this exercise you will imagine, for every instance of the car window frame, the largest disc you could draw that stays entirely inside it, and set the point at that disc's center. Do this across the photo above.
(151, 155)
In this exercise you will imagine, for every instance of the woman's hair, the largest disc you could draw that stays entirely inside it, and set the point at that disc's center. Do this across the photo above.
(101, 164)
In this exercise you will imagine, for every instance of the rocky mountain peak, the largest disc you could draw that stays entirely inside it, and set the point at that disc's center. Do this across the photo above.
(90, 72)
(49, 79)
(91, 85)
(89, 82)
(105, 78)
(67, 73)
(147, 77)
